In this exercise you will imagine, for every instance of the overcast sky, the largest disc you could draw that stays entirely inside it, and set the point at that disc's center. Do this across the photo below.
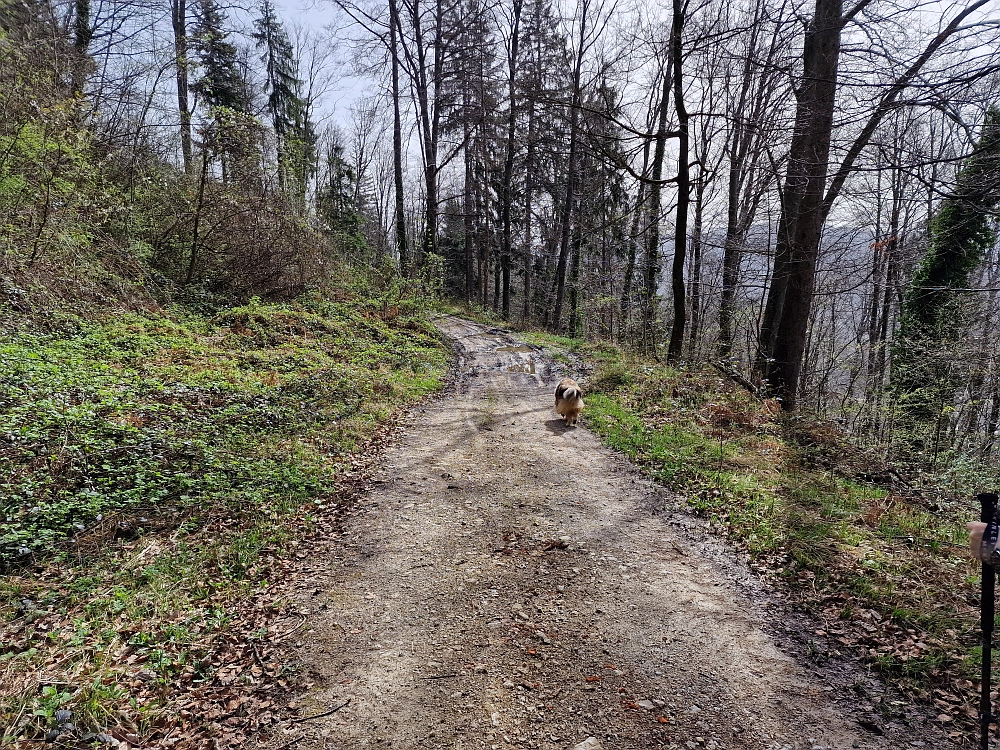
(321, 17)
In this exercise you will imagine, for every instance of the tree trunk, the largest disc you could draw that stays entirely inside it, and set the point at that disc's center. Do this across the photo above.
(429, 116)
(675, 348)
(634, 243)
(482, 249)
(506, 194)
(566, 222)
(468, 218)
(696, 262)
(526, 305)
(786, 314)
(197, 218)
(732, 246)
(574, 283)
(732, 254)
(652, 264)
(805, 206)
(397, 144)
(178, 20)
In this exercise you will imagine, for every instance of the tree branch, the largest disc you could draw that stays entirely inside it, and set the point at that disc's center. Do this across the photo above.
(888, 102)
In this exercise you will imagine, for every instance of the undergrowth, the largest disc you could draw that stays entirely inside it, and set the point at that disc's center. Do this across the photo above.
(885, 564)
(154, 469)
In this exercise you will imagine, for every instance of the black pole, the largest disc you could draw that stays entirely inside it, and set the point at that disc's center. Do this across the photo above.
(988, 504)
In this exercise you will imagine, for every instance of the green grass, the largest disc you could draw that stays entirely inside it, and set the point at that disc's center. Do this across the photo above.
(156, 470)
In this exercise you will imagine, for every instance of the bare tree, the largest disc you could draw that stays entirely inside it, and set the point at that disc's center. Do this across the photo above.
(806, 198)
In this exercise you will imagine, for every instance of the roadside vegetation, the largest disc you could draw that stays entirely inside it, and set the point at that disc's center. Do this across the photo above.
(160, 472)
(874, 551)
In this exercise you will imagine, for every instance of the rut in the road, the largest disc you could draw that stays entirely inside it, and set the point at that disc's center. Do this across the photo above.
(513, 584)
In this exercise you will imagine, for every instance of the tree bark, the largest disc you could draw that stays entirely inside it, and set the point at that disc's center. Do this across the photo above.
(197, 218)
(732, 254)
(526, 304)
(634, 244)
(397, 143)
(506, 195)
(675, 348)
(652, 261)
(574, 283)
(469, 215)
(761, 95)
(429, 123)
(786, 314)
(178, 20)
(566, 221)
(696, 262)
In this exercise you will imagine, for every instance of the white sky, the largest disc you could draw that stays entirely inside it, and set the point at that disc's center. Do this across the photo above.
(321, 17)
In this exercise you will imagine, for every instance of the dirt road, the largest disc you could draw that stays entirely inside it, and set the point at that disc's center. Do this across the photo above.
(510, 583)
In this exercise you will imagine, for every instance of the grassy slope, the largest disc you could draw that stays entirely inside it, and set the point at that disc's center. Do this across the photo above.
(886, 571)
(155, 471)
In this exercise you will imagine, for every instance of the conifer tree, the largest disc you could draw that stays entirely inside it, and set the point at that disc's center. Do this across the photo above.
(295, 133)
(280, 68)
(335, 197)
(220, 84)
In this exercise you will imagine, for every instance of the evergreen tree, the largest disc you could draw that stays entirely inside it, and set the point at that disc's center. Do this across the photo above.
(933, 314)
(220, 84)
(335, 198)
(280, 68)
(469, 100)
(289, 112)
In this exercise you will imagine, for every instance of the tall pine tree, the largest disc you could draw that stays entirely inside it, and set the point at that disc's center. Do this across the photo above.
(295, 133)
(220, 83)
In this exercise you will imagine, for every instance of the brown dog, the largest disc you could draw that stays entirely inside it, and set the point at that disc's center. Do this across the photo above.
(569, 400)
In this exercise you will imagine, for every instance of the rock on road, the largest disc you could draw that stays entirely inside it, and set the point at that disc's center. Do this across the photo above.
(510, 583)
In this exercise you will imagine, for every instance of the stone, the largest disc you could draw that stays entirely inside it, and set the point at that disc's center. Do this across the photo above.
(591, 743)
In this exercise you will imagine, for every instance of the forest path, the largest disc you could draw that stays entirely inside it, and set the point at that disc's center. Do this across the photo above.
(511, 583)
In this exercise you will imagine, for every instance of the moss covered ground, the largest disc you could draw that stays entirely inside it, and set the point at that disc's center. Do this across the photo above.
(156, 471)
